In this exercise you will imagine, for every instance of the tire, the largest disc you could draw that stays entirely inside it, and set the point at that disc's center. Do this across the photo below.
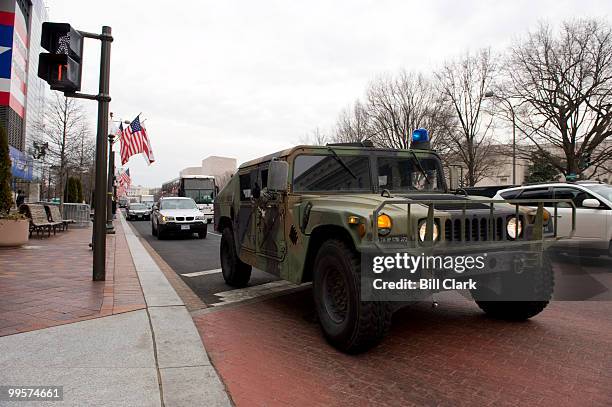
(235, 272)
(543, 286)
(348, 324)
(202, 235)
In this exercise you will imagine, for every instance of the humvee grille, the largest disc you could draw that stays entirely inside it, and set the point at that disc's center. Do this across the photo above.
(476, 230)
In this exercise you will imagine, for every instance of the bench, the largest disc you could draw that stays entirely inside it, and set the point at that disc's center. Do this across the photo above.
(38, 219)
(55, 216)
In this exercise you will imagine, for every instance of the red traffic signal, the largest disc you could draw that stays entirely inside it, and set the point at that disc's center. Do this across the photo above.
(61, 66)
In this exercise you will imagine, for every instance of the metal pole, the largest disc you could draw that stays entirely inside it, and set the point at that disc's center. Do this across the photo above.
(99, 241)
(109, 192)
(513, 146)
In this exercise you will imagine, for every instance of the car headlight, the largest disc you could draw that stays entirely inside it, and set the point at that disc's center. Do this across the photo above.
(167, 218)
(511, 227)
(423, 231)
(198, 217)
(384, 224)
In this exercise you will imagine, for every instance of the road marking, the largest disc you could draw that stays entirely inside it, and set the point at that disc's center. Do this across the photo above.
(216, 234)
(202, 273)
(243, 294)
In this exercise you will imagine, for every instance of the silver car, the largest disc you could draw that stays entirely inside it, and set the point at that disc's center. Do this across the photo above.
(137, 211)
(177, 215)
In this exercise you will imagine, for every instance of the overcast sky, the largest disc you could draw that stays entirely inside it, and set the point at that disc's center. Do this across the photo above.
(247, 78)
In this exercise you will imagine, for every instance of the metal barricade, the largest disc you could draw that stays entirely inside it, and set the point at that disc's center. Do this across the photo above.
(78, 212)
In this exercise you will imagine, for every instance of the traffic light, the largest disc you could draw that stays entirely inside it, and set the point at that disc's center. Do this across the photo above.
(61, 66)
(585, 161)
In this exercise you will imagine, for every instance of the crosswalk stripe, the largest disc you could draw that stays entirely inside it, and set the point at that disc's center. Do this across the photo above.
(201, 273)
(248, 293)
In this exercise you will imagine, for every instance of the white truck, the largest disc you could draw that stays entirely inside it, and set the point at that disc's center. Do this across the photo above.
(147, 200)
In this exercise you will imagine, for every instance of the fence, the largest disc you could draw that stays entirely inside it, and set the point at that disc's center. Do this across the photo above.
(78, 212)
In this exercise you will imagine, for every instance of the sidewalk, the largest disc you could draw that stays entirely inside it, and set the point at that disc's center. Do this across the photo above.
(126, 341)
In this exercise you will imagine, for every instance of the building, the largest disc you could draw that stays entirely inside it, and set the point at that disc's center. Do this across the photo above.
(219, 167)
(22, 93)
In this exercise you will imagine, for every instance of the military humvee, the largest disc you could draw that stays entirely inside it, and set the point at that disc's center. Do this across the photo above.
(310, 212)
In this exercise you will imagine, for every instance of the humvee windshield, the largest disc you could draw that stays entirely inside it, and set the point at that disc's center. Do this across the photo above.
(403, 174)
(352, 173)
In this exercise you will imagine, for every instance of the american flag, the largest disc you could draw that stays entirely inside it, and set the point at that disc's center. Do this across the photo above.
(134, 140)
(124, 178)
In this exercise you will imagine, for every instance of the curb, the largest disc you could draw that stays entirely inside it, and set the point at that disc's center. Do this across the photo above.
(185, 371)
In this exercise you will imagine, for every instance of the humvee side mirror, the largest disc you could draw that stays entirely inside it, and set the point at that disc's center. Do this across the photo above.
(278, 172)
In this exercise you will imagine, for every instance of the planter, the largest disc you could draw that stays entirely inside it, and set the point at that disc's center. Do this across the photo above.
(14, 232)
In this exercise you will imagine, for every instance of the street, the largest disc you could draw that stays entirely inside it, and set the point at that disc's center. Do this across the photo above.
(197, 262)
(191, 257)
(431, 356)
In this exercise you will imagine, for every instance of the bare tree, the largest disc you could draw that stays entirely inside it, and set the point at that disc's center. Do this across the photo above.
(353, 124)
(316, 138)
(463, 84)
(562, 86)
(63, 128)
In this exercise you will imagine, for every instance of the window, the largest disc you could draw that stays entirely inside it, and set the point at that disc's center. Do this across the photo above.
(327, 173)
(245, 187)
(536, 194)
(510, 194)
(403, 174)
(574, 194)
(178, 204)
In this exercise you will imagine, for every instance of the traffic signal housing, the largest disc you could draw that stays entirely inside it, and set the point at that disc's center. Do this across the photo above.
(61, 67)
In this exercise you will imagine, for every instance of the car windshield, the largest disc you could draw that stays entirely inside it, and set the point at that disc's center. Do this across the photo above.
(178, 204)
(138, 206)
(601, 189)
(407, 174)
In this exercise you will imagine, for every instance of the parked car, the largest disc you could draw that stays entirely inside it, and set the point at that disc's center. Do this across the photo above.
(137, 211)
(593, 200)
(178, 215)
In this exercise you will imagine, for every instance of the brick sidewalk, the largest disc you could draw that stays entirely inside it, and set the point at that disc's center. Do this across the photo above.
(48, 282)
(272, 353)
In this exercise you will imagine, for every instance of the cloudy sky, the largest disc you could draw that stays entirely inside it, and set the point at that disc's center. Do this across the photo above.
(246, 78)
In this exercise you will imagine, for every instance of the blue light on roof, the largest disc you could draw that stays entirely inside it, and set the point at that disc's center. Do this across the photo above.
(420, 135)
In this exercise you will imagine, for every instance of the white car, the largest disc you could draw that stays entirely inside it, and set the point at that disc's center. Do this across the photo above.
(177, 215)
(593, 200)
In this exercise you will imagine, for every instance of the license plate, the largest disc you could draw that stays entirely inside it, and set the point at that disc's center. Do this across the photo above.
(184, 227)
(140, 216)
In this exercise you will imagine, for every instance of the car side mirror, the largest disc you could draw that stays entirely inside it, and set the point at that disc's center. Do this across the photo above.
(278, 172)
(591, 203)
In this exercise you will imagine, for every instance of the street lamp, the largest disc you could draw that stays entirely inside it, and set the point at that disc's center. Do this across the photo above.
(491, 94)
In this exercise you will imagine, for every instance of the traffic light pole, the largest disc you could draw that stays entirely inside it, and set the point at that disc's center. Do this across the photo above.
(110, 179)
(103, 99)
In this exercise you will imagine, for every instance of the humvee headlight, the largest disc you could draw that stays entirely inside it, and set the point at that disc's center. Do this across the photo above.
(423, 231)
(511, 227)
(384, 224)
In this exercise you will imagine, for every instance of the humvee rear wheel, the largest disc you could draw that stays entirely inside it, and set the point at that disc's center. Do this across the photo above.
(235, 272)
(541, 289)
(349, 324)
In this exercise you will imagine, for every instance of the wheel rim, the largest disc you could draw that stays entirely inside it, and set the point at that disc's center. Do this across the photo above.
(335, 295)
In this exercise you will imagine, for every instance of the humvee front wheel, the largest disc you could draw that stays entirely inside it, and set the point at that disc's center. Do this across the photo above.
(235, 272)
(349, 324)
(541, 287)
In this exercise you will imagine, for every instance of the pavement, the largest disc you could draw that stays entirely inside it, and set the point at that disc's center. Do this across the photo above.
(152, 356)
(165, 330)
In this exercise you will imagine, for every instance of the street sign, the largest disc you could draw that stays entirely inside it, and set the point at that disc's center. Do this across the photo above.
(61, 67)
